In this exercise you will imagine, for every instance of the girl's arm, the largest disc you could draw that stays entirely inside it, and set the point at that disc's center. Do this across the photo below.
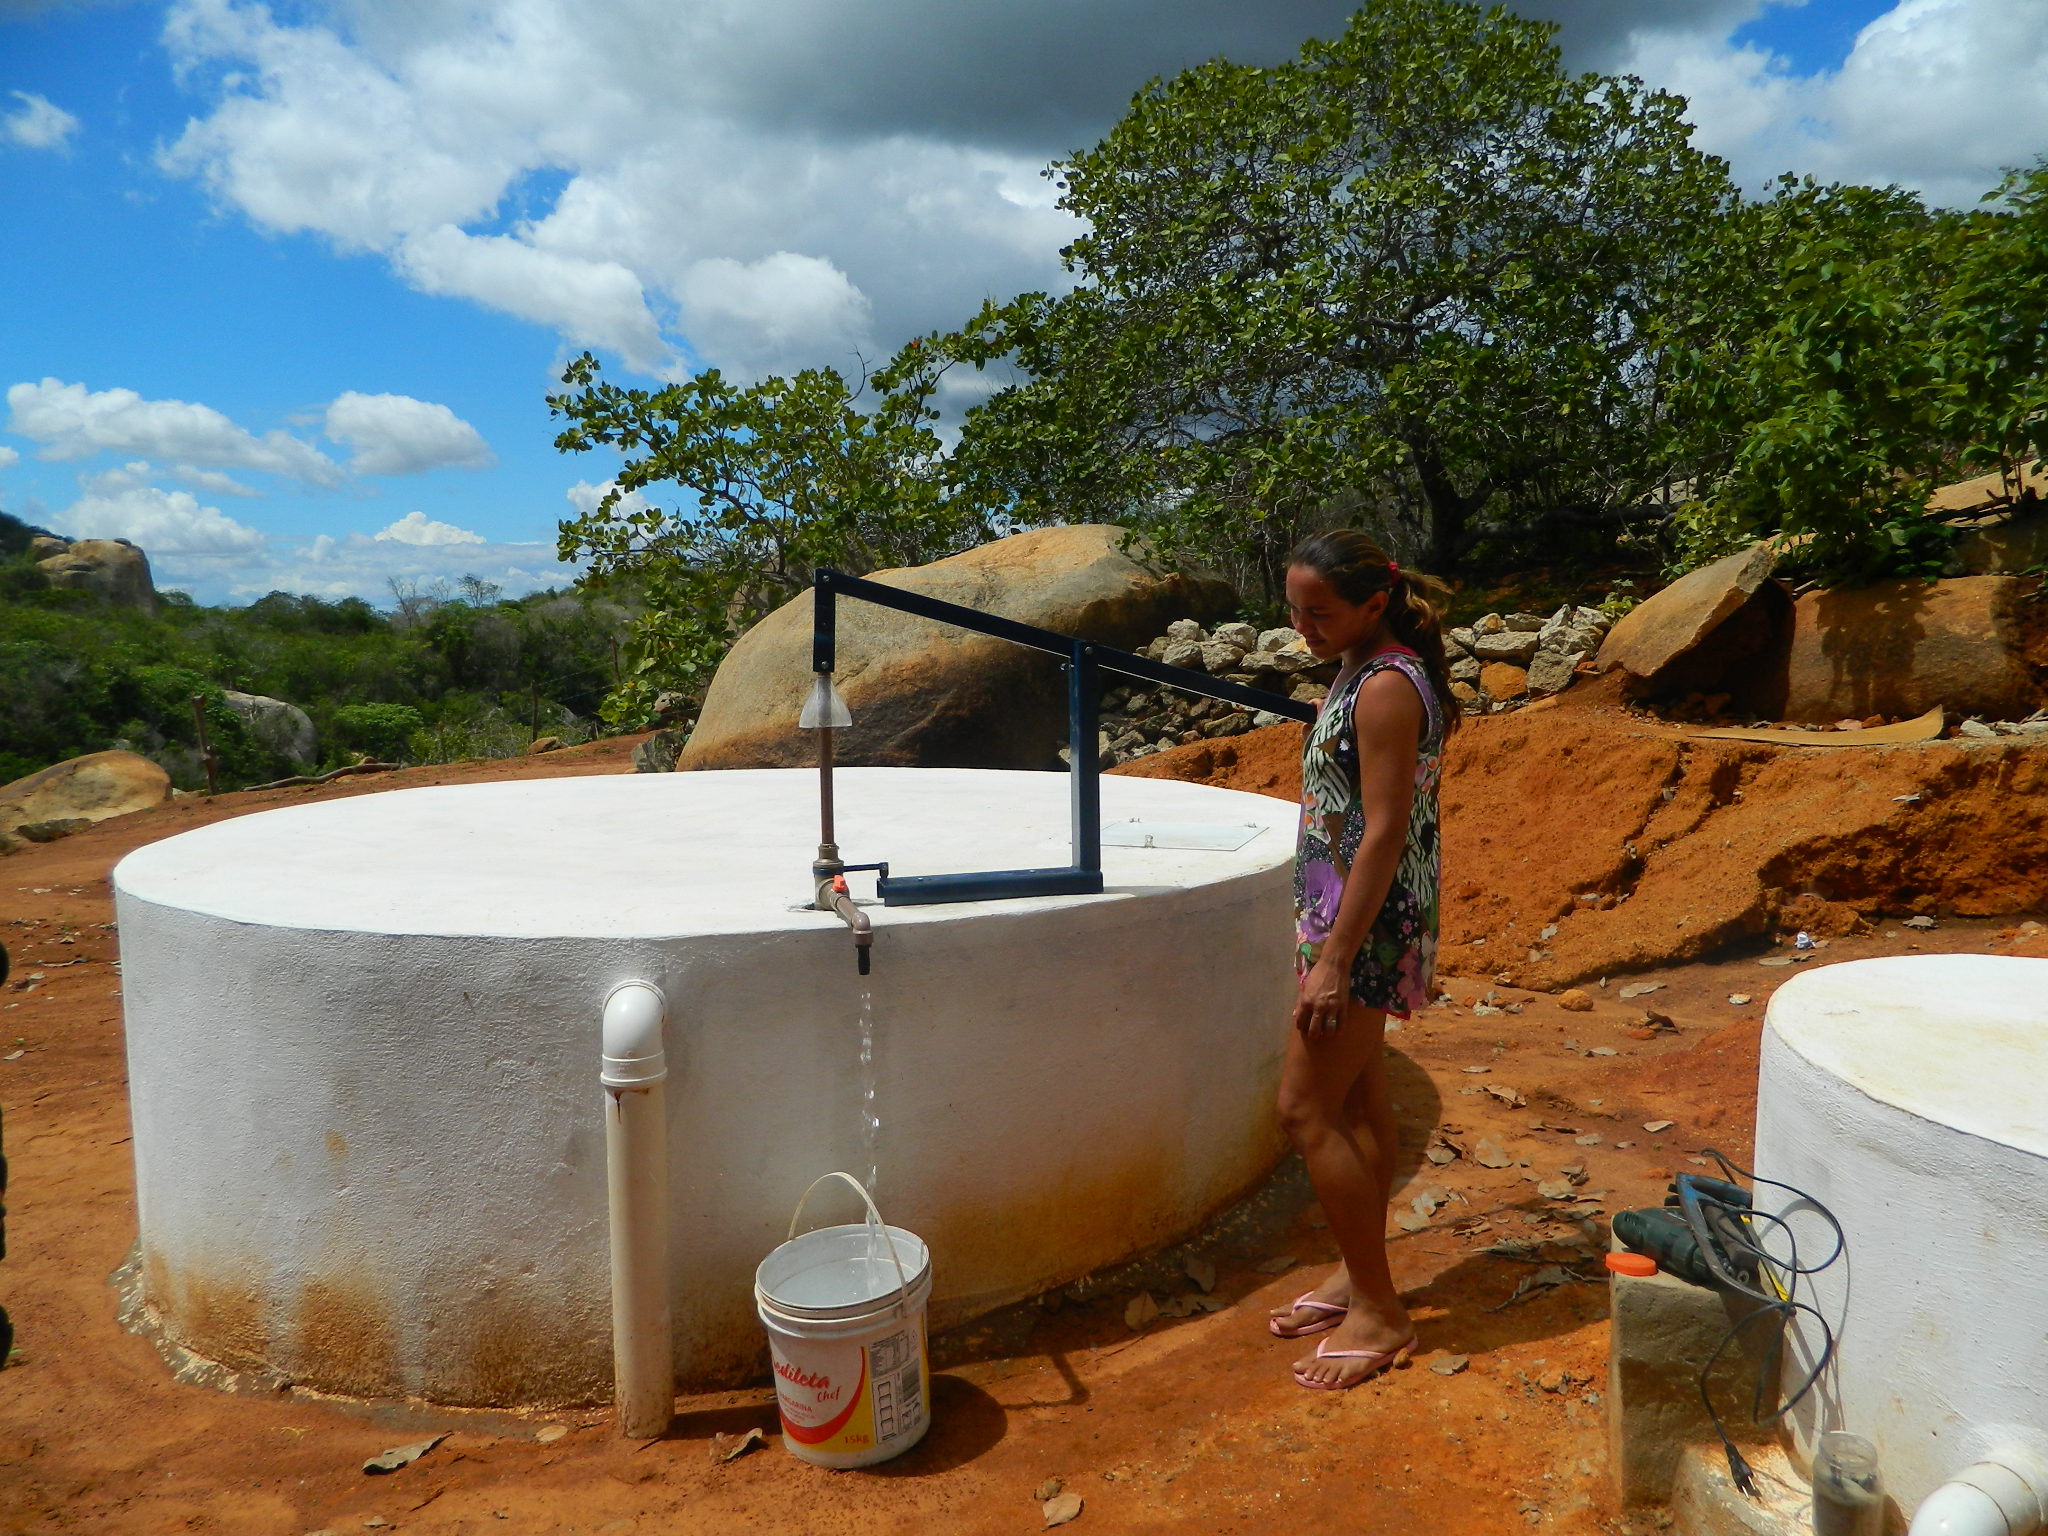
(1388, 718)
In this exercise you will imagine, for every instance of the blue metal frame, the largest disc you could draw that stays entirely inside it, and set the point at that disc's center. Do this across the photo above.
(1085, 662)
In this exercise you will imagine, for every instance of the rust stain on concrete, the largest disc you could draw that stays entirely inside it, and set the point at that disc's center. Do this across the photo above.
(497, 1350)
(216, 1312)
(342, 1339)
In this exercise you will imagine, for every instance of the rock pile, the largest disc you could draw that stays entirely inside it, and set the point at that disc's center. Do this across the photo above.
(1139, 719)
(1499, 662)
(1505, 660)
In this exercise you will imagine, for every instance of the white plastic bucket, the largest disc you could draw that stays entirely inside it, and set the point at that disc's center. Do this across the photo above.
(846, 1330)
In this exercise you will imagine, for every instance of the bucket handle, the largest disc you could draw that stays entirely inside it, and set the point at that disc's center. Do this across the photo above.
(874, 1214)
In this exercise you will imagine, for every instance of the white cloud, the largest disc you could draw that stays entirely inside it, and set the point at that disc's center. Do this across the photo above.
(9, 458)
(72, 422)
(418, 529)
(664, 213)
(199, 549)
(398, 435)
(784, 304)
(172, 527)
(585, 497)
(590, 300)
(214, 480)
(38, 123)
(356, 565)
(1936, 95)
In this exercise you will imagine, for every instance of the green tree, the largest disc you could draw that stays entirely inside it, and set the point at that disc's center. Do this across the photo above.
(1407, 278)
(770, 482)
(1846, 350)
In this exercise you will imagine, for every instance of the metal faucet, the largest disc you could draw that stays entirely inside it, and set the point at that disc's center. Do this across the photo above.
(833, 897)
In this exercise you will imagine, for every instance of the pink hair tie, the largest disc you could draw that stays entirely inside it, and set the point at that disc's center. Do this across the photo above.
(1393, 570)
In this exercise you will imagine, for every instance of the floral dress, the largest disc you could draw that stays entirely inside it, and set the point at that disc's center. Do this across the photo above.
(1396, 965)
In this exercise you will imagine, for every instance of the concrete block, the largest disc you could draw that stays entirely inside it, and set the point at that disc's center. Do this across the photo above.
(1663, 1330)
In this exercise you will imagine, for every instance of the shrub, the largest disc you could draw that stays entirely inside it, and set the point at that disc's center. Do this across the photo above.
(382, 730)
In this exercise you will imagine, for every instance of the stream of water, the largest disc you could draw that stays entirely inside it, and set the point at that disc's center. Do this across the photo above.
(870, 1121)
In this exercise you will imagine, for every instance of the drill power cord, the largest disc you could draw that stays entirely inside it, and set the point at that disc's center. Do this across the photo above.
(1721, 1217)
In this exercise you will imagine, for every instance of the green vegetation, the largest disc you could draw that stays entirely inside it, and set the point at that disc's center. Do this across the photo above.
(1846, 351)
(778, 479)
(1405, 279)
(450, 675)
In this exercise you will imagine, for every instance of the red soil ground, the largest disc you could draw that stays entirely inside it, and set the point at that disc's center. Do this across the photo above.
(1645, 844)
(1187, 1424)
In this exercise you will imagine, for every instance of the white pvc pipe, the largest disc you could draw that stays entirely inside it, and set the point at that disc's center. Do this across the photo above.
(634, 1073)
(1992, 1498)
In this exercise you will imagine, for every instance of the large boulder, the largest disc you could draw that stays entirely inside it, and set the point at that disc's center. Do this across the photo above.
(928, 694)
(1659, 633)
(1977, 645)
(89, 788)
(283, 730)
(114, 568)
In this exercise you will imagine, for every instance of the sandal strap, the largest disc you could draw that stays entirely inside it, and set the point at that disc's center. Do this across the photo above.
(1364, 1354)
(1308, 1299)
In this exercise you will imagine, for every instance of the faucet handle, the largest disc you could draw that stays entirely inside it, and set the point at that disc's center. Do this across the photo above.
(839, 884)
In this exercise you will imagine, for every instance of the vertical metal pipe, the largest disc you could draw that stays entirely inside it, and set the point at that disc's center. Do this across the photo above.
(825, 812)
(634, 1073)
(1085, 783)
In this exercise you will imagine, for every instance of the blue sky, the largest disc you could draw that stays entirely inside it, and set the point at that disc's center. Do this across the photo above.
(285, 289)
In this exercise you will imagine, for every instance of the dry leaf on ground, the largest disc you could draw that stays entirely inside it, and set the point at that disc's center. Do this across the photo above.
(733, 1447)
(401, 1456)
(1140, 1310)
(1058, 1511)
(1450, 1365)
(1491, 1154)
(1202, 1272)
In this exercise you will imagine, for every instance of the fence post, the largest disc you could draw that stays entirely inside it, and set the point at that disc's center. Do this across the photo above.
(206, 754)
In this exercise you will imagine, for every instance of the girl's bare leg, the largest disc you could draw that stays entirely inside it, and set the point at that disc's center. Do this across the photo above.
(1370, 1115)
(1326, 1080)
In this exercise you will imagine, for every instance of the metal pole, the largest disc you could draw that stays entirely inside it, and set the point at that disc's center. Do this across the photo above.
(1085, 782)
(825, 837)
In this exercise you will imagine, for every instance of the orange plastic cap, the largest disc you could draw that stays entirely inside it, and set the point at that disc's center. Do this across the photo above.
(1626, 1263)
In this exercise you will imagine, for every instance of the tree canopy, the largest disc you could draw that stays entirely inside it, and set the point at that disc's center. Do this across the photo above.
(1413, 271)
(776, 479)
(1843, 351)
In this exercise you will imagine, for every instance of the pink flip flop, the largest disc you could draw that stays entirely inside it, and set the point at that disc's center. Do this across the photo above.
(1320, 1325)
(1387, 1358)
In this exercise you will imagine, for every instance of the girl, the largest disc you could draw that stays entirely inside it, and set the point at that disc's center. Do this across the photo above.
(1366, 901)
